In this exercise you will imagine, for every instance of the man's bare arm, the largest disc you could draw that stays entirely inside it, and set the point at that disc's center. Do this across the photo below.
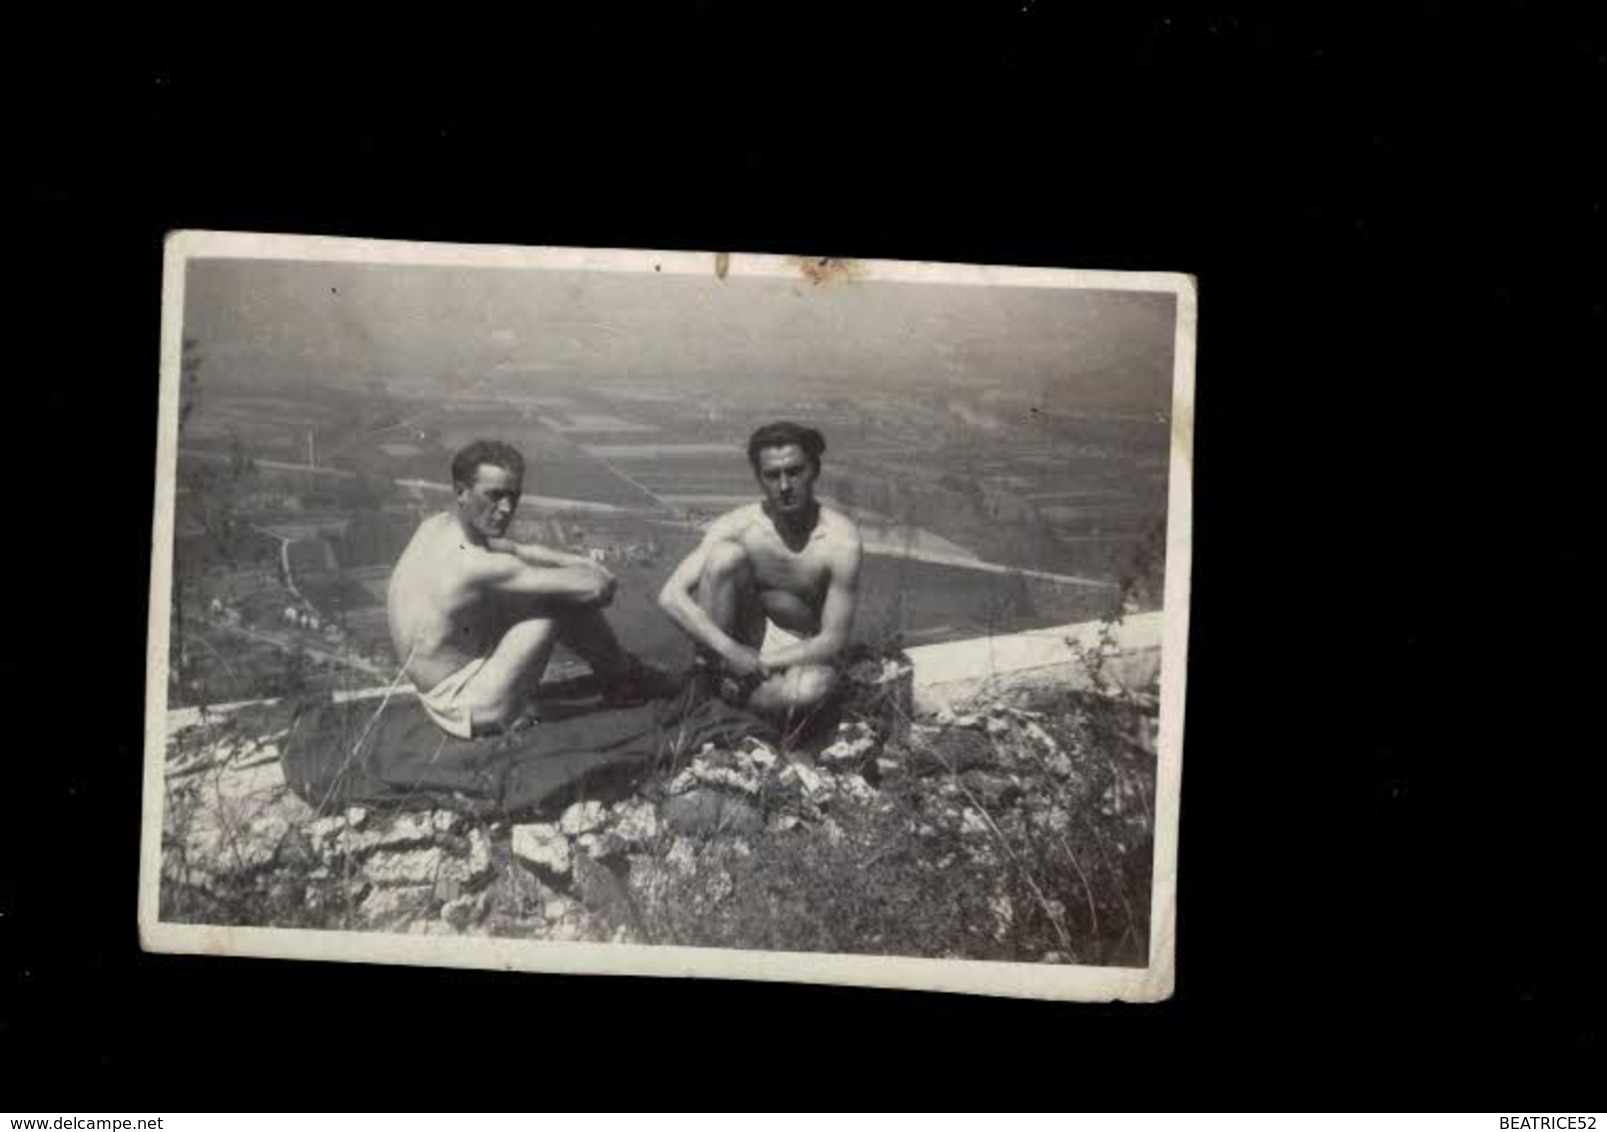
(508, 574)
(677, 599)
(836, 614)
(534, 554)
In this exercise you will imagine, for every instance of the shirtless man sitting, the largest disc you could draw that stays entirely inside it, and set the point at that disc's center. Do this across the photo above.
(770, 592)
(475, 616)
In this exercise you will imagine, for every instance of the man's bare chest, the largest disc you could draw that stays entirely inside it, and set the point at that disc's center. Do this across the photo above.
(804, 572)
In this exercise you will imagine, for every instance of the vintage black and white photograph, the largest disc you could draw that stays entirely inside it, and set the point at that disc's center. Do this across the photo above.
(676, 613)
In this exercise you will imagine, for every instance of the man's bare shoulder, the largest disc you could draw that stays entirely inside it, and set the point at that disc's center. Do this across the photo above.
(440, 551)
(433, 535)
(837, 529)
(734, 523)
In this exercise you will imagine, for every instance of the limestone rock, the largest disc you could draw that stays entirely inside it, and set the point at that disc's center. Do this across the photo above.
(635, 823)
(409, 867)
(704, 812)
(582, 817)
(815, 785)
(598, 846)
(324, 833)
(447, 885)
(466, 911)
(543, 847)
(731, 778)
(461, 875)
(403, 832)
(761, 755)
(681, 783)
(389, 907)
(848, 751)
(254, 786)
(446, 822)
(854, 786)
(682, 856)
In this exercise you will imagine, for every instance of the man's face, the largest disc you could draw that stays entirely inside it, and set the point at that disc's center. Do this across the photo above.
(488, 504)
(788, 478)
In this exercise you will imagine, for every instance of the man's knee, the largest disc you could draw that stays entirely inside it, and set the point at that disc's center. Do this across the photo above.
(815, 684)
(530, 634)
(798, 689)
(491, 716)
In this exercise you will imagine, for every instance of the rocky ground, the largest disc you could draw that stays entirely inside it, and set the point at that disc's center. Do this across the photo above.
(1020, 829)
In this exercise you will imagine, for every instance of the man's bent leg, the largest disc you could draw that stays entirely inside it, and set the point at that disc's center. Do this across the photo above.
(625, 678)
(587, 634)
(725, 591)
(497, 694)
(795, 692)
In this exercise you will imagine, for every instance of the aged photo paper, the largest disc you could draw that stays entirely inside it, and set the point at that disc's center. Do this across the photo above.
(669, 613)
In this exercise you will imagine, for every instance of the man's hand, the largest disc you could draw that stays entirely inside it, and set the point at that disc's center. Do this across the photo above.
(744, 662)
(610, 584)
(601, 592)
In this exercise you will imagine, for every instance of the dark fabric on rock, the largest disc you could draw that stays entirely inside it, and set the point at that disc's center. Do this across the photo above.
(360, 753)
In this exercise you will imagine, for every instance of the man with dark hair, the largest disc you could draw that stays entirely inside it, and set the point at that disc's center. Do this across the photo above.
(469, 458)
(783, 433)
(769, 594)
(475, 615)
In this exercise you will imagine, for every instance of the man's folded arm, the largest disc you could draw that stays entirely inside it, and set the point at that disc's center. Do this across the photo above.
(676, 599)
(534, 554)
(508, 574)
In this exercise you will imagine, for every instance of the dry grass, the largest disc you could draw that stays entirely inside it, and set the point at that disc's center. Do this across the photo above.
(978, 848)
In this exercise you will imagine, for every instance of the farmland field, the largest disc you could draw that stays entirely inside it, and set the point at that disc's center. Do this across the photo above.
(345, 480)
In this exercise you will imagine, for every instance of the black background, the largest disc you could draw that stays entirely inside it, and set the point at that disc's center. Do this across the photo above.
(1387, 849)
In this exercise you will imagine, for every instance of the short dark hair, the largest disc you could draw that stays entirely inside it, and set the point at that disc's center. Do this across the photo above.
(782, 433)
(493, 452)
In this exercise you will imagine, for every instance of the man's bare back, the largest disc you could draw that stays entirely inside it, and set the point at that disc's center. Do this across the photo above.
(439, 619)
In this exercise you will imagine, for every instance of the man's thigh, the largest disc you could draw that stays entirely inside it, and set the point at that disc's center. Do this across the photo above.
(789, 612)
(519, 658)
(800, 687)
(750, 616)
